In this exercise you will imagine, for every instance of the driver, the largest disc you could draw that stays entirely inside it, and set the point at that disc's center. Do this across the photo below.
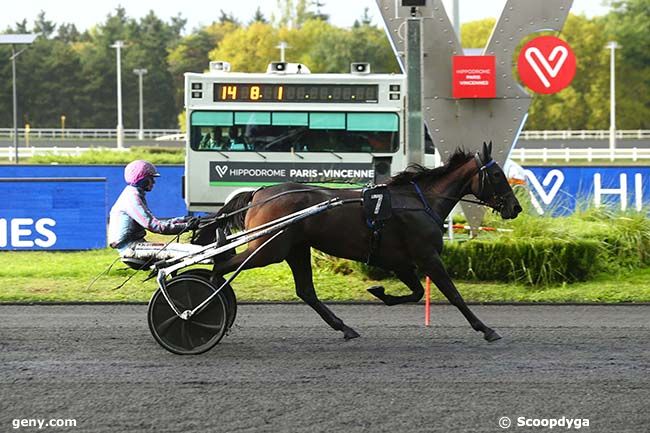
(130, 216)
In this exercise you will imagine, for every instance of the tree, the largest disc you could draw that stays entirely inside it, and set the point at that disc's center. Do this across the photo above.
(191, 54)
(248, 49)
(475, 34)
(43, 26)
(259, 17)
(629, 25)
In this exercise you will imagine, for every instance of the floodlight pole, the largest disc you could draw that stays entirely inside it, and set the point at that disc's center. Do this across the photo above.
(140, 73)
(120, 126)
(13, 72)
(612, 46)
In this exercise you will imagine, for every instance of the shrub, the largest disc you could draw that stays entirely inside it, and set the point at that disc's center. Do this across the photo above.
(528, 261)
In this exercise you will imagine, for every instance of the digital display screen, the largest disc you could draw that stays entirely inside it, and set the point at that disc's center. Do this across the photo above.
(293, 93)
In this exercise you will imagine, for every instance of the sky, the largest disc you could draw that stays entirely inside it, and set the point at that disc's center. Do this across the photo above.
(85, 14)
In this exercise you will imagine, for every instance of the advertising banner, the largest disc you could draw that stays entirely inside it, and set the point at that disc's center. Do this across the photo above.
(52, 213)
(474, 77)
(561, 190)
(264, 173)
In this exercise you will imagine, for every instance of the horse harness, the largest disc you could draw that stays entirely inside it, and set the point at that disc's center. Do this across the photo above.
(378, 206)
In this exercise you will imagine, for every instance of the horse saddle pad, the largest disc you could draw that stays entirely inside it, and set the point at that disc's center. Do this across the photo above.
(376, 203)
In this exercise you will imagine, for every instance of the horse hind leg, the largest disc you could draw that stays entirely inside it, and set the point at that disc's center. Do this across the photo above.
(410, 279)
(299, 261)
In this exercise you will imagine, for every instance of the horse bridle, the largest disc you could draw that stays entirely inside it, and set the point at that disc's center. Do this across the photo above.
(483, 179)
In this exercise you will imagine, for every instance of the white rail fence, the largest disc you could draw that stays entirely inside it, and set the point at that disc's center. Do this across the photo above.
(86, 134)
(638, 134)
(589, 154)
(521, 154)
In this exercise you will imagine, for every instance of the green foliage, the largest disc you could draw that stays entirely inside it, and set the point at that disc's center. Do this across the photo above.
(69, 73)
(475, 34)
(156, 155)
(526, 261)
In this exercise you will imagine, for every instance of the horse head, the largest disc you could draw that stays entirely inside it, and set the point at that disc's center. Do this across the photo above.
(491, 186)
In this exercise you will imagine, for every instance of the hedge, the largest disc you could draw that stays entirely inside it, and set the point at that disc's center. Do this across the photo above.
(531, 261)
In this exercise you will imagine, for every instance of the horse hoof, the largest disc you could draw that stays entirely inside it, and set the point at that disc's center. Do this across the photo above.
(492, 335)
(350, 333)
(376, 291)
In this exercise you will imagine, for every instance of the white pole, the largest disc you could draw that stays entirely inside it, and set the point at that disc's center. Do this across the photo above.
(13, 71)
(140, 73)
(456, 13)
(612, 95)
(120, 126)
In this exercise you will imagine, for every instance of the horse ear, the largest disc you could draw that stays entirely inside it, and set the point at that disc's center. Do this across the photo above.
(490, 148)
(485, 153)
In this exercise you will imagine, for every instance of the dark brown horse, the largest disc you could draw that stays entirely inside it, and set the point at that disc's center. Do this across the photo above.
(422, 198)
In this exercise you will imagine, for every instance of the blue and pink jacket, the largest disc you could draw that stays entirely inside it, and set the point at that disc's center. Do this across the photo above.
(130, 216)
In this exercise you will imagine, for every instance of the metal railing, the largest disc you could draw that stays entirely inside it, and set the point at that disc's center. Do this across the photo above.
(521, 155)
(162, 134)
(88, 134)
(638, 134)
(589, 154)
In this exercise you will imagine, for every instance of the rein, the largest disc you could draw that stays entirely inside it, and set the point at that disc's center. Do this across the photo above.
(208, 221)
(482, 178)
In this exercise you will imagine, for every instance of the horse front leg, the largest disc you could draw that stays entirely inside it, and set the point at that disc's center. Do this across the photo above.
(436, 271)
(410, 279)
(299, 261)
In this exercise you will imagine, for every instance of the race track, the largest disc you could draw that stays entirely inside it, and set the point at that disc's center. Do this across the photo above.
(282, 369)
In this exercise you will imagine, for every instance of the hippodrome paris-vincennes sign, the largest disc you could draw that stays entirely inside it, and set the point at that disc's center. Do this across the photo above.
(231, 173)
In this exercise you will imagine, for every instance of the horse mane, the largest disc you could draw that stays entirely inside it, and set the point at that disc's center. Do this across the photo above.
(417, 172)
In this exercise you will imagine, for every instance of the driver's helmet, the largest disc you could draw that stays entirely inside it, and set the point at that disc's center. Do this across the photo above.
(137, 170)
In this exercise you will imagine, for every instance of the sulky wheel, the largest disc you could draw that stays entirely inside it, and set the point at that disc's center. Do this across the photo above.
(200, 332)
(231, 299)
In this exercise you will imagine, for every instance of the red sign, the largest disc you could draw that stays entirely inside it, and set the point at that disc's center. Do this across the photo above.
(546, 64)
(474, 77)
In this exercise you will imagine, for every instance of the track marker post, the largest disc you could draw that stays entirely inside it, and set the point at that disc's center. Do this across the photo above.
(427, 303)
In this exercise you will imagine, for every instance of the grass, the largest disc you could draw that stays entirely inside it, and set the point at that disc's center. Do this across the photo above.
(157, 155)
(64, 276)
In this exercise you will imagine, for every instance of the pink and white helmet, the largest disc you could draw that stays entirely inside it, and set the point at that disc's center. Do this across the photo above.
(137, 170)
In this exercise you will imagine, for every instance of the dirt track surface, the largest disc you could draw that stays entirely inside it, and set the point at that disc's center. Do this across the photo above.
(282, 369)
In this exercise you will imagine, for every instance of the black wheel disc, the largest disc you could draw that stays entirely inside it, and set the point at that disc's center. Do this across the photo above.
(228, 292)
(197, 334)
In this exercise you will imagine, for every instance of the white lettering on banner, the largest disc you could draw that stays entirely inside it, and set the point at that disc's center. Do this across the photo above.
(18, 232)
(599, 191)
(258, 172)
(50, 236)
(349, 173)
(547, 198)
(3, 233)
(309, 173)
(638, 191)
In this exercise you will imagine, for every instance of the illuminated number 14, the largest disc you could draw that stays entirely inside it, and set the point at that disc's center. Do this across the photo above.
(228, 92)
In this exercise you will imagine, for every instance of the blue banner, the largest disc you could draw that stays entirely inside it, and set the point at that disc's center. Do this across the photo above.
(165, 200)
(52, 213)
(560, 190)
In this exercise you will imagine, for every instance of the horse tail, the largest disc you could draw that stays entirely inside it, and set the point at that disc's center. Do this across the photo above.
(206, 234)
(237, 220)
